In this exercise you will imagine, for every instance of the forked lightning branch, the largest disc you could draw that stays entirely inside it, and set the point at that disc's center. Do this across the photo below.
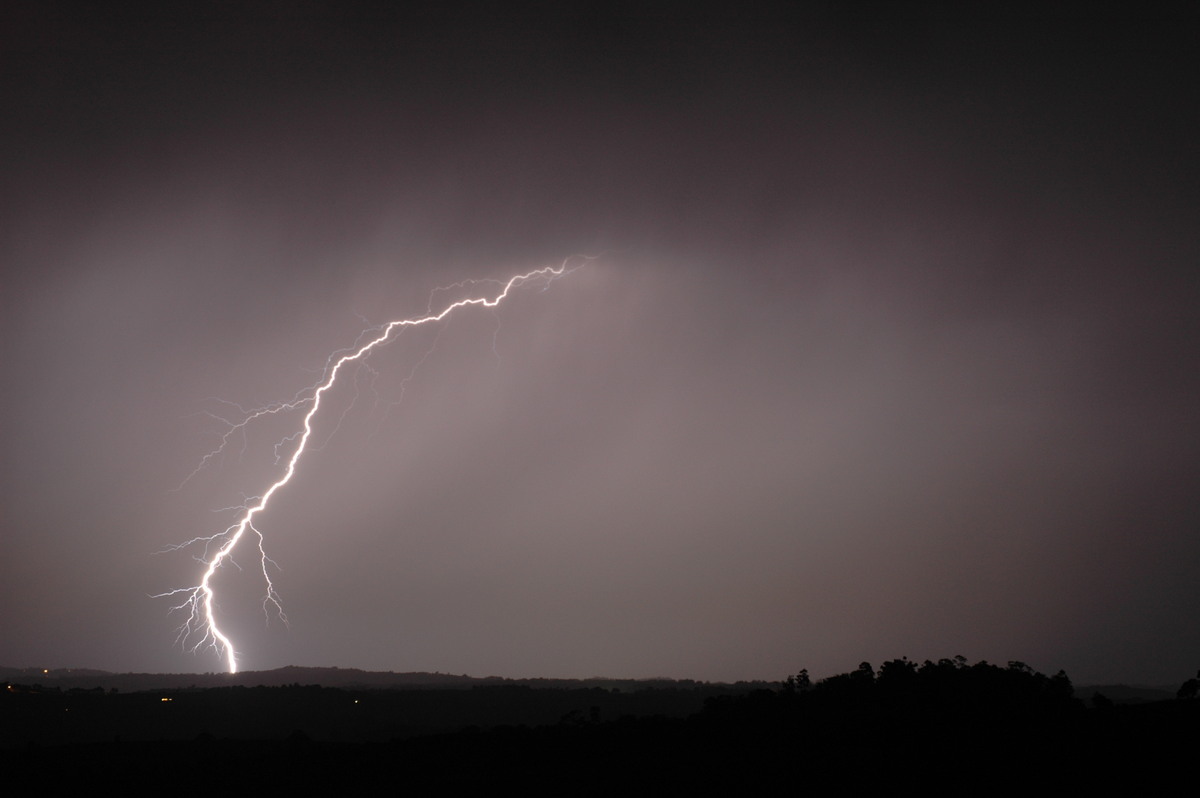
(199, 602)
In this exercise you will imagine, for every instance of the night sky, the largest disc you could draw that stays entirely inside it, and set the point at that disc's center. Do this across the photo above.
(888, 345)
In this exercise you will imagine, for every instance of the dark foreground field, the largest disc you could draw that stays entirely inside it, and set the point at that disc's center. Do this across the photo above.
(939, 727)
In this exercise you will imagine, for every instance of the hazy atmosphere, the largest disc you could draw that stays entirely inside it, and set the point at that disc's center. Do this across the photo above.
(883, 341)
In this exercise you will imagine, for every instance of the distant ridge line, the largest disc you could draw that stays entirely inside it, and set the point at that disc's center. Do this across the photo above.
(90, 679)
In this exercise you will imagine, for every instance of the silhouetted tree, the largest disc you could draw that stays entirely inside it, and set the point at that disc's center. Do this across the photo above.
(798, 683)
(1190, 688)
(900, 671)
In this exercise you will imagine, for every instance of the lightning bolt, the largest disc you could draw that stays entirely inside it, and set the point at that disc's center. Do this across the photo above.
(199, 601)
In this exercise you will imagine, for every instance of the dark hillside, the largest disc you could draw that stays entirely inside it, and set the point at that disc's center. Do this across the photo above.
(942, 727)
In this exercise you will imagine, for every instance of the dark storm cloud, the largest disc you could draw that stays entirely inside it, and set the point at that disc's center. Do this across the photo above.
(888, 350)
